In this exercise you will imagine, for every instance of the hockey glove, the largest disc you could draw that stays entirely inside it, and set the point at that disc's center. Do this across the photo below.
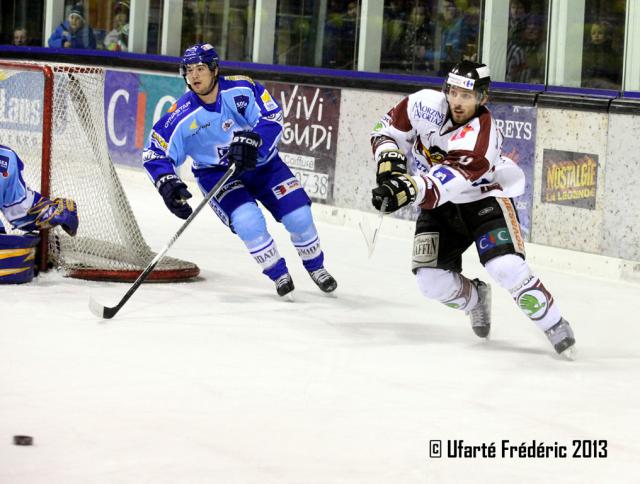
(243, 150)
(175, 195)
(399, 190)
(390, 162)
(59, 211)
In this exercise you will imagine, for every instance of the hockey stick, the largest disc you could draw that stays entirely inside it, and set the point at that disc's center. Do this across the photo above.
(371, 243)
(106, 312)
(374, 239)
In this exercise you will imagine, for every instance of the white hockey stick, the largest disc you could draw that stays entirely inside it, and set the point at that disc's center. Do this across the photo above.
(371, 242)
(106, 312)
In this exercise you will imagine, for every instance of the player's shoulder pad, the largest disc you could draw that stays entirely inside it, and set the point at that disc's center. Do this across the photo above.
(8, 158)
(231, 81)
(266, 101)
(428, 105)
(177, 112)
(6, 151)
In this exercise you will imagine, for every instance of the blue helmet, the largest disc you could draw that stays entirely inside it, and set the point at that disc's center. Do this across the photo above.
(197, 54)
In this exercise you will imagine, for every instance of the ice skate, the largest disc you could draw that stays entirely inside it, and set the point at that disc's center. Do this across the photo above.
(284, 286)
(561, 337)
(324, 280)
(480, 315)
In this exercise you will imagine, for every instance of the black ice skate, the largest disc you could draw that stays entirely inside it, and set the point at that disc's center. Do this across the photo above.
(284, 284)
(324, 280)
(480, 315)
(561, 337)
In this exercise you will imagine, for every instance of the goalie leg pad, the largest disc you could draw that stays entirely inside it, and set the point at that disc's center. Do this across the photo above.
(17, 258)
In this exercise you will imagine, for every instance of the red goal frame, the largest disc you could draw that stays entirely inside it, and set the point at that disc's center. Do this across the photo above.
(96, 274)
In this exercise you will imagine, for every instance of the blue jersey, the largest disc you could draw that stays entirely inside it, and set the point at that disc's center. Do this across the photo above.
(16, 198)
(203, 132)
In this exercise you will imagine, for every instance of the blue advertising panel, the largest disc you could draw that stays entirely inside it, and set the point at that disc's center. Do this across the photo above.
(121, 107)
(133, 102)
(21, 105)
(518, 125)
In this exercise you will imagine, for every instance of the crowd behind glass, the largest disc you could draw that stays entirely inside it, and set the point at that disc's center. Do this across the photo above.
(418, 37)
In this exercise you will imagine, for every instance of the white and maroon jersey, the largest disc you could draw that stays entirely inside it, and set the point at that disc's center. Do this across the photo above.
(451, 163)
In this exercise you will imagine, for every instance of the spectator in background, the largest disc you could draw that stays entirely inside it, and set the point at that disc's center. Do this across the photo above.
(471, 15)
(118, 38)
(526, 56)
(393, 27)
(452, 37)
(73, 33)
(601, 65)
(417, 40)
(340, 35)
(20, 37)
(517, 19)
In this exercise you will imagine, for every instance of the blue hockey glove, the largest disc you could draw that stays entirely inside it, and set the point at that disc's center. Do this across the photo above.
(175, 195)
(59, 211)
(399, 190)
(243, 150)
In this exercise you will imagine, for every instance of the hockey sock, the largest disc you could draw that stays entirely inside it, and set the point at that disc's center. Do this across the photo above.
(514, 274)
(536, 302)
(265, 253)
(310, 253)
(304, 236)
(450, 288)
(249, 224)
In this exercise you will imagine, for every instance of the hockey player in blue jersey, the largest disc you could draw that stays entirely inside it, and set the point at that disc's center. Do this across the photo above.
(26, 209)
(29, 211)
(233, 119)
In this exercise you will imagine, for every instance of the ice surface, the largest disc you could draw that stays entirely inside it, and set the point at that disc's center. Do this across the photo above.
(220, 381)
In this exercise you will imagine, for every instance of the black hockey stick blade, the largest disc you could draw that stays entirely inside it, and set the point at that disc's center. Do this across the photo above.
(102, 311)
(105, 312)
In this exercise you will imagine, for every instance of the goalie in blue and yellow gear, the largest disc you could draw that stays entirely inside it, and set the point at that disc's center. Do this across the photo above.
(29, 211)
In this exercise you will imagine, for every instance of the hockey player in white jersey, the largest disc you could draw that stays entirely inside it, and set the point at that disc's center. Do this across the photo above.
(441, 151)
(233, 119)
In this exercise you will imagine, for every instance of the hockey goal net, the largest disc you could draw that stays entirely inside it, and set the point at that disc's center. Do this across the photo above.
(53, 116)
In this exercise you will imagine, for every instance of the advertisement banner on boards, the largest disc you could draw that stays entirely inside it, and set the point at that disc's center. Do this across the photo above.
(133, 103)
(308, 145)
(570, 178)
(518, 125)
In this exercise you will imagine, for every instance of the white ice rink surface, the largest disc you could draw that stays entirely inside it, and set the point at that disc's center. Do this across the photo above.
(219, 381)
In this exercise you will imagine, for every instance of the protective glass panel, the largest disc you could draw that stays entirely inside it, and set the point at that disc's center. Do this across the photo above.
(602, 50)
(429, 37)
(21, 22)
(227, 24)
(527, 41)
(317, 33)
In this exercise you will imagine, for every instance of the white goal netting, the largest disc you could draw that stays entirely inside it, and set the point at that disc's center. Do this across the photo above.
(109, 244)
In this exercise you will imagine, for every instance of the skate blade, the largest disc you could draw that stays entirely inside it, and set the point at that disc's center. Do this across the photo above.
(288, 297)
(569, 354)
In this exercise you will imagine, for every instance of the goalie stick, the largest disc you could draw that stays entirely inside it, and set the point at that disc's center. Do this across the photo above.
(106, 312)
